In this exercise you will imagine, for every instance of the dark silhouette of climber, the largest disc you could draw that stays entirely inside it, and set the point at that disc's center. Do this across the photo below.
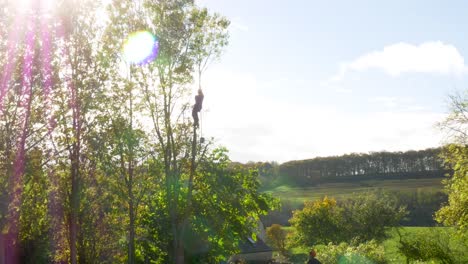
(197, 107)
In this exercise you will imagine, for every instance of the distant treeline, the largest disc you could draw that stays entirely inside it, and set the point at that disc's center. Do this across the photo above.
(356, 167)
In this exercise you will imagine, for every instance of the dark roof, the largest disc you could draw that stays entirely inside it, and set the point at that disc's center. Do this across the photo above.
(250, 246)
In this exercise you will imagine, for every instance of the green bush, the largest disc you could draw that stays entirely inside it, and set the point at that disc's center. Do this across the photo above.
(365, 253)
(363, 218)
(369, 215)
(441, 244)
(276, 237)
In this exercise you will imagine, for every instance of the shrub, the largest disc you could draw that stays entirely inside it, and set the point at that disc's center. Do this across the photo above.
(441, 245)
(365, 217)
(369, 215)
(320, 222)
(365, 253)
(276, 237)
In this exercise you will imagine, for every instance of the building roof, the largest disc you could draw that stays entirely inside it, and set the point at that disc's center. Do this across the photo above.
(251, 246)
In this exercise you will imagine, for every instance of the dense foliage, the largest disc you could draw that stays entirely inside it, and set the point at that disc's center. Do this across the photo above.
(99, 158)
(361, 219)
(366, 253)
(369, 215)
(455, 212)
(438, 244)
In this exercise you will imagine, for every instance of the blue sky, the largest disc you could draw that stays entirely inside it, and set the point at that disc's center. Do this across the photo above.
(305, 78)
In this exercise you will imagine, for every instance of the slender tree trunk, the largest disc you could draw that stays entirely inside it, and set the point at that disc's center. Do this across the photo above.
(75, 173)
(74, 200)
(16, 184)
(171, 207)
(131, 208)
(131, 243)
(180, 256)
(192, 166)
(180, 243)
(2, 249)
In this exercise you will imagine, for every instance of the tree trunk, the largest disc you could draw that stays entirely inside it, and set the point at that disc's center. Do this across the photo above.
(75, 180)
(74, 200)
(192, 167)
(11, 248)
(2, 249)
(131, 205)
(16, 184)
(180, 254)
(131, 242)
(180, 258)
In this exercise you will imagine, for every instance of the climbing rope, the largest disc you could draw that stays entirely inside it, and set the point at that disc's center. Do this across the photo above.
(202, 139)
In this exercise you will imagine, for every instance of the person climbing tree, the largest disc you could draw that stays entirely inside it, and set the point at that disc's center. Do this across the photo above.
(197, 108)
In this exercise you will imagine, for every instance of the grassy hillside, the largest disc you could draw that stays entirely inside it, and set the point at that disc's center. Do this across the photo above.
(422, 196)
(297, 195)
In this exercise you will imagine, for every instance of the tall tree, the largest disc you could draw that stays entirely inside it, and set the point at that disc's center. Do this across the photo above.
(128, 140)
(184, 39)
(77, 90)
(22, 129)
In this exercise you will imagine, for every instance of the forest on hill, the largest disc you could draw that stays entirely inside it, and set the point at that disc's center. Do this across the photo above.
(354, 167)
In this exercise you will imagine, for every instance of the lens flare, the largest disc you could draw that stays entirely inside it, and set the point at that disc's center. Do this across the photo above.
(140, 48)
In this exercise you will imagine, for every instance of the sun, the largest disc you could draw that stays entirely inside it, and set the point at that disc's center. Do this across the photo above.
(140, 48)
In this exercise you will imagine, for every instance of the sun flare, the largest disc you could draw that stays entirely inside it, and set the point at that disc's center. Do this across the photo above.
(140, 48)
(23, 6)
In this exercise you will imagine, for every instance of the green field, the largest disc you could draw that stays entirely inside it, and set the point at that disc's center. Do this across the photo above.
(297, 195)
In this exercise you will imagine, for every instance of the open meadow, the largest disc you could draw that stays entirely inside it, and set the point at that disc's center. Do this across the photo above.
(297, 195)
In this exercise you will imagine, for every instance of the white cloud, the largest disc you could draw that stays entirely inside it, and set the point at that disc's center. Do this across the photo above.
(255, 127)
(396, 59)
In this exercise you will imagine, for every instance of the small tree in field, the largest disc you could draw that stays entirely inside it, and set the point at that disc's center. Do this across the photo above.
(317, 223)
(369, 215)
(362, 218)
(277, 237)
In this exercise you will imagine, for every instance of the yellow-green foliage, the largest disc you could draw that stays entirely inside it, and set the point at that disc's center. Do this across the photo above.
(277, 237)
(317, 223)
(435, 244)
(366, 253)
(455, 213)
(363, 218)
